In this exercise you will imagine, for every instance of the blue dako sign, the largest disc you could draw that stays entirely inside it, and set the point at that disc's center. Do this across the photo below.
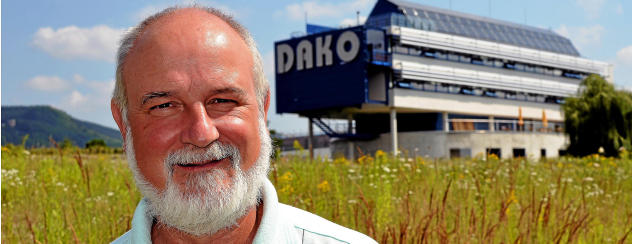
(321, 71)
(305, 52)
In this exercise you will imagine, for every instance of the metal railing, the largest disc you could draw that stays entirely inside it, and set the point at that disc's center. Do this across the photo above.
(420, 37)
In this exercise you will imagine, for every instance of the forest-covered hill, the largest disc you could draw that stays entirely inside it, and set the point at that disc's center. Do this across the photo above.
(42, 122)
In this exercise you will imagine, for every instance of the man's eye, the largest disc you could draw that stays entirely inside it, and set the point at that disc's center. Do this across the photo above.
(161, 106)
(165, 109)
(221, 100)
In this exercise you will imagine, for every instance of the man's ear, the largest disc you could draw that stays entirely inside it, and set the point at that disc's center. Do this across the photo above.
(118, 117)
(266, 105)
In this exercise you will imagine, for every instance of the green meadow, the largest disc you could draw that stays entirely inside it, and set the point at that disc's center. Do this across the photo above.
(75, 196)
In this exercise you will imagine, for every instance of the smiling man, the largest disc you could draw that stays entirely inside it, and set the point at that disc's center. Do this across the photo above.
(191, 101)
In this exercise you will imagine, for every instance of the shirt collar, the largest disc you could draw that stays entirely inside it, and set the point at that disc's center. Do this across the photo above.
(270, 218)
(141, 224)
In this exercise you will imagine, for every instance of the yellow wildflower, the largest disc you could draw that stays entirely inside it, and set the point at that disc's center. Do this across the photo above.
(341, 160)
(512, 197)
(297, 146)
(380, 154)
(287, 177)
(492, 156)
(421, 160)
(324, 186)
(287, 189)
(365, 159)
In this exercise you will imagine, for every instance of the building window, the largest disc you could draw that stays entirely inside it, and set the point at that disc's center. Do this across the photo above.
(561, 152)
(460, 153)
(519, 153)
(543, 153)
(495, 151)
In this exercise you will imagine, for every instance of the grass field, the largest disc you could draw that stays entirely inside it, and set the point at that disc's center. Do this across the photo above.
(48, 197)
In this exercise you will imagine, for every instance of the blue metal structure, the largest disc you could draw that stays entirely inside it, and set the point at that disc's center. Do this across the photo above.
(314, 29)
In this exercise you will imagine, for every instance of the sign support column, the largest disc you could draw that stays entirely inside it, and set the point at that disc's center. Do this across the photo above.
(310, 138)
(350, 144)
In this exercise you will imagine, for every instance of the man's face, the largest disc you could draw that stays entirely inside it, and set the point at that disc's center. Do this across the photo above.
(189, 82)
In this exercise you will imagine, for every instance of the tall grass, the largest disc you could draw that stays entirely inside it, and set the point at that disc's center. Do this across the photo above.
(68, 197)
(416, 200)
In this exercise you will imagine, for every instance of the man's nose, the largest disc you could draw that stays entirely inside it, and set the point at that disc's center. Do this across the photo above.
(201, 130)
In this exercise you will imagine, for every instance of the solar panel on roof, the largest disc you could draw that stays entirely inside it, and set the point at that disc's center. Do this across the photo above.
(473, 30)
(546, 45)
(484, 30)
(451, 22)
(531, 42)
(464, 28)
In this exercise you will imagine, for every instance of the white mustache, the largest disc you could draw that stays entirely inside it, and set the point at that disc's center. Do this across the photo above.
(213, 152)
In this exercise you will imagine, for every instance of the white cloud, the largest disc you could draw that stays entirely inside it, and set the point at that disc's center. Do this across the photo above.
(624, 56)
(315, 9)
(619, 9)
(76, 99)
(77, 78)
(47, 83)
(591, 7)
(71, 42)
(583, 37)
(352, 21)
(623, 68)
(102, 87)
(85, 95)
(89, 96)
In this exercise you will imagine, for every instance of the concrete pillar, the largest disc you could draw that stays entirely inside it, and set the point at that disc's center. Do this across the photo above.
(310, 138)
(350, 144)
(491, 124)
(394, 130)
(446, 123)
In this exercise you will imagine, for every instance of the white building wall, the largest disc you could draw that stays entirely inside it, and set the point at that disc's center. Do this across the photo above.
(437, 144)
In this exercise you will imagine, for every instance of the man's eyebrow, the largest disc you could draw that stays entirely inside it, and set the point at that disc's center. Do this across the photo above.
(240, 93)
(152, 95)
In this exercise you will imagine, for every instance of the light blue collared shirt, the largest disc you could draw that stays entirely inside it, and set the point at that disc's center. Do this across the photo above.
(280, 223)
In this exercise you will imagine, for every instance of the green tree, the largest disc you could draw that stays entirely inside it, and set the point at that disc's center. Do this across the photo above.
(96, 143)
(599, 117)
(277, 141)
(67, 143)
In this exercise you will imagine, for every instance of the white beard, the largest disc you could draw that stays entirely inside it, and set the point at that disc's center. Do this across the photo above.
(206, 205)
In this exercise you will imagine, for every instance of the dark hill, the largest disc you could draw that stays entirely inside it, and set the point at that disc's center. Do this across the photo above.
(42, 122)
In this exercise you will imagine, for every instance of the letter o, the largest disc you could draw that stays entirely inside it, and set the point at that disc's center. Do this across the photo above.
(352, 38)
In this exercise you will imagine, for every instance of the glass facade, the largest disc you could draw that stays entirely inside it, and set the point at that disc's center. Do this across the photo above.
(478, 28)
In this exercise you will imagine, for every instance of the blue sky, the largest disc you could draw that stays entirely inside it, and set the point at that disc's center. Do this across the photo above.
(62, 53)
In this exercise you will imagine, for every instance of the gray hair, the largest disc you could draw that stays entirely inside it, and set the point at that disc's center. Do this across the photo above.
(119, 96)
